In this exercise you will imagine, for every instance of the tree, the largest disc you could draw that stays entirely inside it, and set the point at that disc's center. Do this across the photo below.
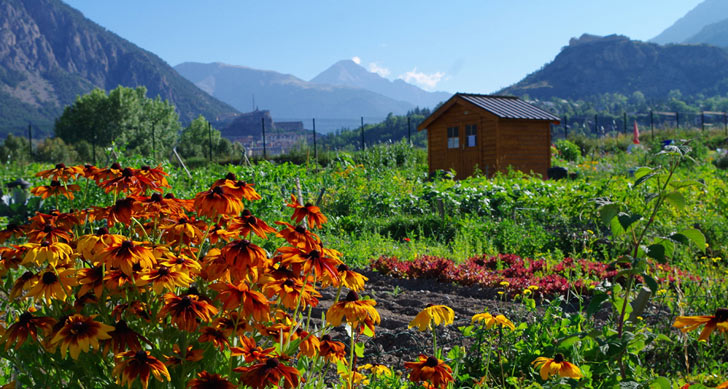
(194, 141)
(125, 116)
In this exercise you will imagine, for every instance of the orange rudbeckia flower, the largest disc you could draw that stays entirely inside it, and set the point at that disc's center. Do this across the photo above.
(430, 369)
(247, 223)
(163, 277)
(55, 189)
(215, 202)
(268, 372)
(254, 303)
(79, 333)
(123, 254)
(131, 365)
(355, 311)
(556, 366)
(689, 323)
(331, 350)
(432, 315)
(61, 172)
(53, 284)
(185, 310)
(308, 211)
(54, 253)
(298, 236)
(27, 324)
(206, 380)
(242, 257)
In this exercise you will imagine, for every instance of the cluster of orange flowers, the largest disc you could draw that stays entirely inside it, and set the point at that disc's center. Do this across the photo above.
(159, 281)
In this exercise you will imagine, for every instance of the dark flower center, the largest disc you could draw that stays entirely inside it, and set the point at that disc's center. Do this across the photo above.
(326, 338)
(25, 318)
(721, 314)
(26, 276)
(156, 197)
(352, 296)
(246, 213)
(169, 196)
(136, 267)
(163, 271)
(45, 243)
(146, 167)
(342, 267)
(60, 166)
(49, 278)
(183, 220)
(102, 231)
(141, 356)
(230, 176)
(558, 358)
(272, 363)
(288, 283)
(301, 229)
(79, 327)
(55, 183)
(127, 172)
(244, 242)
(314, 254)
(308, 205)
(431, 362)
(115, 166)
(429, 305)
(47, 228)
(217, 190)
(121, 326)
(185, 302)
(87, 166)
(127, 245)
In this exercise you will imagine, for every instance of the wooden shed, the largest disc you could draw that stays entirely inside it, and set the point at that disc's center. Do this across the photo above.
(489, 133)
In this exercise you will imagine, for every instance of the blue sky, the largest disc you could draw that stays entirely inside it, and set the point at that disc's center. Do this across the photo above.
(467, 46)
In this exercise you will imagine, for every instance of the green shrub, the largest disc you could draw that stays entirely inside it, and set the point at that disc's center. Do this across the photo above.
(568, 150)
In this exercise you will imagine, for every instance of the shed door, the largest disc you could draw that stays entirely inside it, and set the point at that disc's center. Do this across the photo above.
(470, 156)
(454, 148)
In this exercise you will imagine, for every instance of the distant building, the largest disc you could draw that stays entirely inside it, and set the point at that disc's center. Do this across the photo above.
(489, 133)
(248, 124)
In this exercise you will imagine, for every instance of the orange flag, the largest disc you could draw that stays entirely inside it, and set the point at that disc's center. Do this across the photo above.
(636, 137)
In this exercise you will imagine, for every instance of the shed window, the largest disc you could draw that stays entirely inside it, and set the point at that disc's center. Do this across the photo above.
(471, 135)
(453, 138)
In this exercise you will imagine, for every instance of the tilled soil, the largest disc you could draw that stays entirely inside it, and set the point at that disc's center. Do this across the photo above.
(399, 301)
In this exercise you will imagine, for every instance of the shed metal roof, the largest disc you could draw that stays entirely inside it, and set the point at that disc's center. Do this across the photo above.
(508, 107)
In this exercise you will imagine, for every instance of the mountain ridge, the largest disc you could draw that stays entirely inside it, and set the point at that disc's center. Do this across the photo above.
(50, 53)
(592, 65)
(285, 95)
(705, 13)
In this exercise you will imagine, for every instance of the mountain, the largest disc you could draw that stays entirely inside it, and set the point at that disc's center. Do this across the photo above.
(288, 97)
(50, 53)
(594, 65)
(705, 13)
(715, 34)
(349, 73)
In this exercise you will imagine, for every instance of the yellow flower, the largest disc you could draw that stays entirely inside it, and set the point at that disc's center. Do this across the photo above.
(376, 369)
(556, 366)
(526, 292)
(432, 314)
(533, 287)
(490, 320)
(504, 283)
(689, 323)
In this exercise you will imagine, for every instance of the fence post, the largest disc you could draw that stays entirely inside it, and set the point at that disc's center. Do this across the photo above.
(154, 149)
(315, 156)
(30, 141)
(596, 125)
(652, 124)
(409, 130)
(566, 127)
(677, 120)
(262, 127)
(625, 123)
(209, 138)
(93, 149)
(362, 133)
(725, 122)
(702, 121)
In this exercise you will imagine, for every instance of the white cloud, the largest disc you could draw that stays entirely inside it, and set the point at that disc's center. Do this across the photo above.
(356, 60)
(381, 70)
(424, 80)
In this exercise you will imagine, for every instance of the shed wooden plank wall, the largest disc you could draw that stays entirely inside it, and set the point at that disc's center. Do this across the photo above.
(525, 145)
(490, 127)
